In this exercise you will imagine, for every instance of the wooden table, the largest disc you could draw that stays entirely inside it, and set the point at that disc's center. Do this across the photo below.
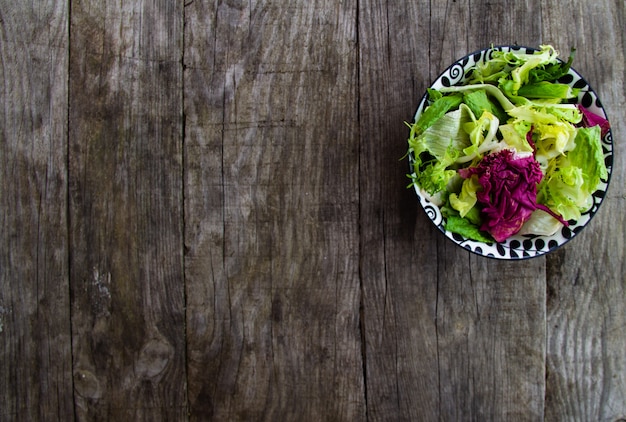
(204, 216)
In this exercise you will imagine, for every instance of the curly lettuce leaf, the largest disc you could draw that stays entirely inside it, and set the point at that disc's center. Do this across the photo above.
(571, 179)
(546, 113)
(482, 135)
(552, 72)
(437, 148)
(553, 140)
(525, 64)
(434, 175)
(553, 133)
(562, 192)
(466, 200)
(588, 156)
(541, 66)
(516, 137)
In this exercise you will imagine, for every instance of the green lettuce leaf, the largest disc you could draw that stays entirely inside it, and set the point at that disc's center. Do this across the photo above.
(572, 178)
(482, 135)
(562, 192)
(492, 90)
(437, 148)
(553, 131)
(434, 112)
(434, 177)
(524, 64)
(553, 140)
(465, 201)
(541, 65)
(478, 102)
(515, 136)
(588, 156)
(546, 113)
(459, 225)
(447, 132)
(547, 90)
(553, 71)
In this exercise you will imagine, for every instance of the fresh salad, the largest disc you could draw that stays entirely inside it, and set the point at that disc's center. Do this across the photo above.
(510, 151)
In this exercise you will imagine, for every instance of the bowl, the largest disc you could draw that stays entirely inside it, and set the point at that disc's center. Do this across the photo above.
(517, 246)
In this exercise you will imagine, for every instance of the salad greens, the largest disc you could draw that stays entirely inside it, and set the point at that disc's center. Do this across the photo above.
(509, 151)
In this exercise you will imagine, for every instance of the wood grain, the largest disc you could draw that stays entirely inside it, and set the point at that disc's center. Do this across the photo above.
(272, 211)
(204, 216)
(127, 286)
(35, 353)
(491, 314)
(444, 331)
(398, 270)
(586, 319)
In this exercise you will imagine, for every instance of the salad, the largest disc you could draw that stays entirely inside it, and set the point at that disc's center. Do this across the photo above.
(510, 151)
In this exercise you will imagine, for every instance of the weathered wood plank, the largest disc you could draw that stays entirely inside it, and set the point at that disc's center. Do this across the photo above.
(491, 339)
(492, 360)
(126, 210)
(315, 287)
(448, 335)
(35, 353)
(398, 274)
(271, 211)
(491, 314)
(586, 320)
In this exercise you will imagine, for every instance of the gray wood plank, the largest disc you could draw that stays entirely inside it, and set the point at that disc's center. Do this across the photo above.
(128, 325)
(586, 339)
(448, 335)
(272, 211)
(398, 273)
(35, 352)
(491, 339)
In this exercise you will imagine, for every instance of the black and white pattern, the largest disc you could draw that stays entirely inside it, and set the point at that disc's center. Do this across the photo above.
(519, 246)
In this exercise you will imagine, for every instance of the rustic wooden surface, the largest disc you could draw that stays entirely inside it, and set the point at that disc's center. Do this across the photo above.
(204, 217)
